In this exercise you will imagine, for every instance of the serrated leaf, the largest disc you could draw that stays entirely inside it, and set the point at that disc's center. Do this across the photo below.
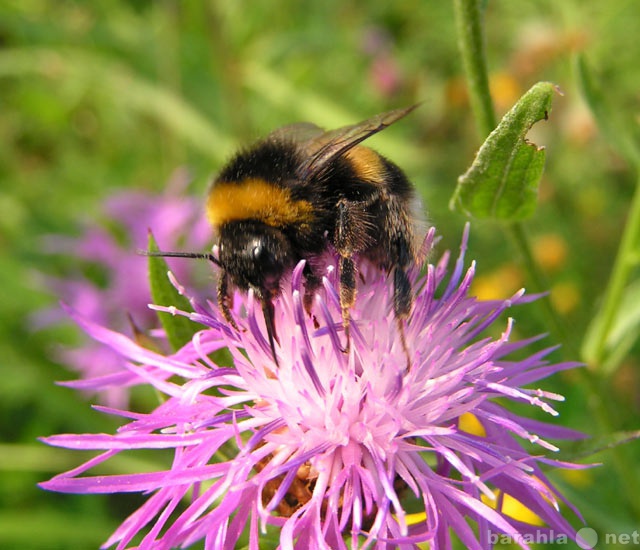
(502, 182)
(179, 329)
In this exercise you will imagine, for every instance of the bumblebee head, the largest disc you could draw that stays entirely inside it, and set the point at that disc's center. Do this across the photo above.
(255, 255)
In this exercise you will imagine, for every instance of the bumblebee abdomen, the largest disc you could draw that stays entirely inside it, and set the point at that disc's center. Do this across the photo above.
(366, 164)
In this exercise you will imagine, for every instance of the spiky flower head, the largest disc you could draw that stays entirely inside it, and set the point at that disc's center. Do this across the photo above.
(329, 450)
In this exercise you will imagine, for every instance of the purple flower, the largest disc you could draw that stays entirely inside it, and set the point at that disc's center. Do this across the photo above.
(121, 301)
(330, 446)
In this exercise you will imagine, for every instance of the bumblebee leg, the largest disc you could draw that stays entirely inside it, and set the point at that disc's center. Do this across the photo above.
(347, 294)
(348, 238)
(402, 293)
(268, 311)
(402, 302)
(396, 241)
(224, 300)
(312, 283)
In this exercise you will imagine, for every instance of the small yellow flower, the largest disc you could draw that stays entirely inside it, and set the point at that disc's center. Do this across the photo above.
(578, 478)
(512, 507)
(499, 284)
(505, 90)
(550, 251)
(565, 296)
(469, 423)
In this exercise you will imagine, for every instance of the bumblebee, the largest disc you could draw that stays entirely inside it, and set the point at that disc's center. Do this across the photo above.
(300, 191)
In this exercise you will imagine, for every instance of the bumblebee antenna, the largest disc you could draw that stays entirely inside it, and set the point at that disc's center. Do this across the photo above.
(194, 255)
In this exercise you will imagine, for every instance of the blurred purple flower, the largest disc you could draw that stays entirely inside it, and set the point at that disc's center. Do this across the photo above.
(385, 72)
(331, 445)
(121, 299)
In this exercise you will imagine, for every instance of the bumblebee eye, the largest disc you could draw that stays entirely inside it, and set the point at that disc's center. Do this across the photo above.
(257, 251)
(263, 256)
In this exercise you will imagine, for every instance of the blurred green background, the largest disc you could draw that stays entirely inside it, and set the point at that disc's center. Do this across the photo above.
(98, 96)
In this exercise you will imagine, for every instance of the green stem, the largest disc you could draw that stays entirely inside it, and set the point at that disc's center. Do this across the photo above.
(626, 260)
(471, 44)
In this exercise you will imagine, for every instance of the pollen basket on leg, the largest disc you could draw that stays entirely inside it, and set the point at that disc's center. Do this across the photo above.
(257, 199)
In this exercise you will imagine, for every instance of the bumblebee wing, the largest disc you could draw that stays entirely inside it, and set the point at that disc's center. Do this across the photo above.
(326, 146)
(300, 132)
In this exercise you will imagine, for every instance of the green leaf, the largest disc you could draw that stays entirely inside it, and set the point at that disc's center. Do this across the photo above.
(178, 328)
(502, 183)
